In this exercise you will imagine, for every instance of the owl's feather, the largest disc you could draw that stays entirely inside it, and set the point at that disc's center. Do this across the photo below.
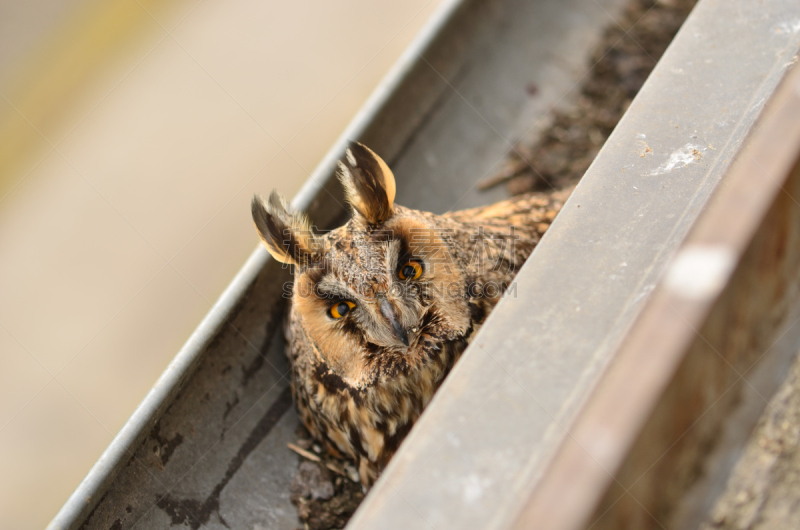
(287, 235)
(368, 183)
(362, 380)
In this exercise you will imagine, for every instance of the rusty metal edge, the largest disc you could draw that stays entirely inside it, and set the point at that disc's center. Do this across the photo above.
(603, 433)
(91, 489)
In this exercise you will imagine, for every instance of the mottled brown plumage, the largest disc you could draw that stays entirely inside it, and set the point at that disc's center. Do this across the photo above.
(383, 306)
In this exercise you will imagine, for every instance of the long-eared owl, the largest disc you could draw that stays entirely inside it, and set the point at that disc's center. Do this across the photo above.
(383, 306)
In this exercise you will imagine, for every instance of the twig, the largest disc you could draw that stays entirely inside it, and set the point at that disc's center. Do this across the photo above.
(336, 469)
(302, 452)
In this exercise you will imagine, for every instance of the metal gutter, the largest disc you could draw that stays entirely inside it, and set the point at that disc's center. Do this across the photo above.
(312, 197)
(206, 447)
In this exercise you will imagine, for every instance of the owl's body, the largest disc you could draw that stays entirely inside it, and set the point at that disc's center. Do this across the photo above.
(383, 306)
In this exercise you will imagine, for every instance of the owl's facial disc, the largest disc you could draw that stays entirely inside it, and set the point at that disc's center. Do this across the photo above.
(405, 291)
(354, 306)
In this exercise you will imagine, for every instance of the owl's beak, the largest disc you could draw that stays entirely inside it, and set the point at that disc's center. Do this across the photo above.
(388, 312)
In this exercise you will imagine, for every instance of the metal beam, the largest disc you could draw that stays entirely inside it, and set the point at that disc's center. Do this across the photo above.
(659, 436)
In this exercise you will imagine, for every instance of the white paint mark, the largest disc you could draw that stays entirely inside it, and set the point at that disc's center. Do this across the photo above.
(474, 487)
(700, 271)
(641, 136)
(788, 27)
(680, 158)
(454, 440)
(645, 291)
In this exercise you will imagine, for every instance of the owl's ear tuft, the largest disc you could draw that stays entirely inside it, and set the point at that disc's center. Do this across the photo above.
(368, 183)
(286, 235)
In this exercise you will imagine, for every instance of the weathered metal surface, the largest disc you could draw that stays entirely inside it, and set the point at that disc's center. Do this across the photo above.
(482, 444)
(670, 417)
(206, 448)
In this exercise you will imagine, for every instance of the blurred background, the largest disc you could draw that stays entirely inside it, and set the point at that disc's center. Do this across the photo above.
(132, 136)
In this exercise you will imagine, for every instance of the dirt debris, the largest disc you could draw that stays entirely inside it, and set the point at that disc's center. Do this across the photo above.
(619, 66)
(763, 491)
(312, 481)
(326, 492)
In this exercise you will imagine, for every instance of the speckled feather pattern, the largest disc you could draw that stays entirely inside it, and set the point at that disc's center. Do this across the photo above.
(365, 408)
(383, 307)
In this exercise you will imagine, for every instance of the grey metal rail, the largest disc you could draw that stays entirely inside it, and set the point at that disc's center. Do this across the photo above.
(657, 441)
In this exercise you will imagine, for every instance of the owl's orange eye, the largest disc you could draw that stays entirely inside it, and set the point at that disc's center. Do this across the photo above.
(341, 309)
(410, 271)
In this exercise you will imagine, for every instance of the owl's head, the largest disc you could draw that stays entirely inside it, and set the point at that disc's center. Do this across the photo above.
(381, 294)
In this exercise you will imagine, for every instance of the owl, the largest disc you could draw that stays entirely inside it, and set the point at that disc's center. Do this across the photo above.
(383, 307)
